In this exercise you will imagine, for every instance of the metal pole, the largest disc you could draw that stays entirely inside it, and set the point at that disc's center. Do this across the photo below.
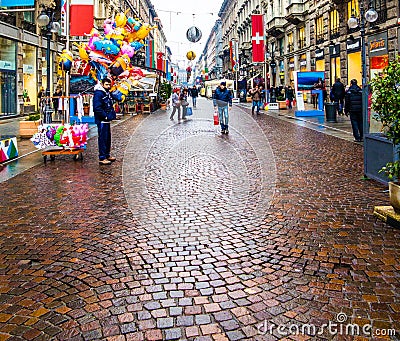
(47, 109)
(67, 77)
(364, 80)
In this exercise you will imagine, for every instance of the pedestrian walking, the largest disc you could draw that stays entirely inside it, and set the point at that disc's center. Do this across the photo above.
(176, 104)
(194, 93)
(104, 113)
(222, 98)
(289, 94)
(255, 94)
(184, 102)
(337, 95)
(353, 106)
(272, 94)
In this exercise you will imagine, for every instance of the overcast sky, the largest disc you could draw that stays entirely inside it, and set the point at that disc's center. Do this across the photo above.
(177, 16)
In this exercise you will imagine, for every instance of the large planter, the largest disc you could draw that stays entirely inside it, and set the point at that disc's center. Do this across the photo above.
(282, 104)
(378, 151)
(163, 106)
(28, 128)
(394, 196)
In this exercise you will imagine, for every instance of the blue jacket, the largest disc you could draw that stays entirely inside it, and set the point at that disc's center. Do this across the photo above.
(222, 98)
(103, 105)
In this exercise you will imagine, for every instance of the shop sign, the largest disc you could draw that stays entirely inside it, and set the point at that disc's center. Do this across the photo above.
(377, 44)
(7, 65)
(28, 69)
(303, 63)
(353, 45)
(334, 50)
(14, 3)
(291, 65)
(319, 54)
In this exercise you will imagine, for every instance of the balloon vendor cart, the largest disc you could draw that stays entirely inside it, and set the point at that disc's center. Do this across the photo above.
(61, 139)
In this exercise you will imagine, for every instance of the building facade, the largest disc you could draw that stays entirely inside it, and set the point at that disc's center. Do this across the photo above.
(23, 45)
(307, 35)
(23, 62)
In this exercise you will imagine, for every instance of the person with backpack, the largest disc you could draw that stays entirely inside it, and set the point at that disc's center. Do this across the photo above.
(338, 92)
(353, 106)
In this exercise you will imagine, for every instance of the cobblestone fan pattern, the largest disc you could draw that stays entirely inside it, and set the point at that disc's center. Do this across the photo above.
(197, 236)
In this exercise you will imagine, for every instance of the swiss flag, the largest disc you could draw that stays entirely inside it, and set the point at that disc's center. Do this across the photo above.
(81, 17)
(257, 37)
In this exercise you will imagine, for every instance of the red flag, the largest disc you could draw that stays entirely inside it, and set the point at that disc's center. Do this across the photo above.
(160, 61)
(81, 17)
(257, 37)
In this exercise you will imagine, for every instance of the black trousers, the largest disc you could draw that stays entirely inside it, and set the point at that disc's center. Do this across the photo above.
(104, 140)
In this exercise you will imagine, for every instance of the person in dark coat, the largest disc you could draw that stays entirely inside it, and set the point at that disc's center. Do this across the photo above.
(289, 96)
(104, 113)
(353, 106)
(194, 93)
(338, 93)
(221, 99)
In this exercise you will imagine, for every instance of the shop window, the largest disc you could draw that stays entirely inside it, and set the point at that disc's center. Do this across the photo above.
(319, 30)
(320, 65)
(303, 62)
(354, 66)
(334, 24)
(8, 93)
(335, 69)
(29, 76)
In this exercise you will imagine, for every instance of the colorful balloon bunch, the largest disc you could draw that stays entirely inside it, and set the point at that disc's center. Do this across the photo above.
(71, 136)
(110, 53)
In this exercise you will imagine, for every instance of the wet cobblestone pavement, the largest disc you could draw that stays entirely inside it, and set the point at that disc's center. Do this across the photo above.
(191, 235)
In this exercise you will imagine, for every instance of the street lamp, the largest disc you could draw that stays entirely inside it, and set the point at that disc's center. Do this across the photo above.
(370, 16)
(45, 20)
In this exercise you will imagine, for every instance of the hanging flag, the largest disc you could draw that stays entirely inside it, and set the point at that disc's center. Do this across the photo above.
(64, 18)
(234, 55)
(257, 37)
(81, 17)
(160, 61)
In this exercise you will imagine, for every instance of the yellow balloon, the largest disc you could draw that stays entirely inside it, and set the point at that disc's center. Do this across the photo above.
(190, 55)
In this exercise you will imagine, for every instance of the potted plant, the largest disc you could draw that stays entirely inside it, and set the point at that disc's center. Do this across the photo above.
(165, 94)
(29, 126)
(280, 98)
(386, 104)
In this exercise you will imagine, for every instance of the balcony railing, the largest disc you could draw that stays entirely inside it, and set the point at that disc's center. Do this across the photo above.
(319, 38)
(302, 43)
(9, 18)
(290, 47)
(382, 16)
(275, 26)
(335, 33)
(295, 12)
(29, 26)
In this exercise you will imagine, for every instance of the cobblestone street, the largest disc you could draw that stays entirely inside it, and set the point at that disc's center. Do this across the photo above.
(194, 235)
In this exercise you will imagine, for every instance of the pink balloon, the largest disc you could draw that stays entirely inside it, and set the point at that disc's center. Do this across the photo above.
(127, 49)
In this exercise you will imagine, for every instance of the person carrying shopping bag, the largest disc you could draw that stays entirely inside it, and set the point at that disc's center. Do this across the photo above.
(222, 98)
(176, 104)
